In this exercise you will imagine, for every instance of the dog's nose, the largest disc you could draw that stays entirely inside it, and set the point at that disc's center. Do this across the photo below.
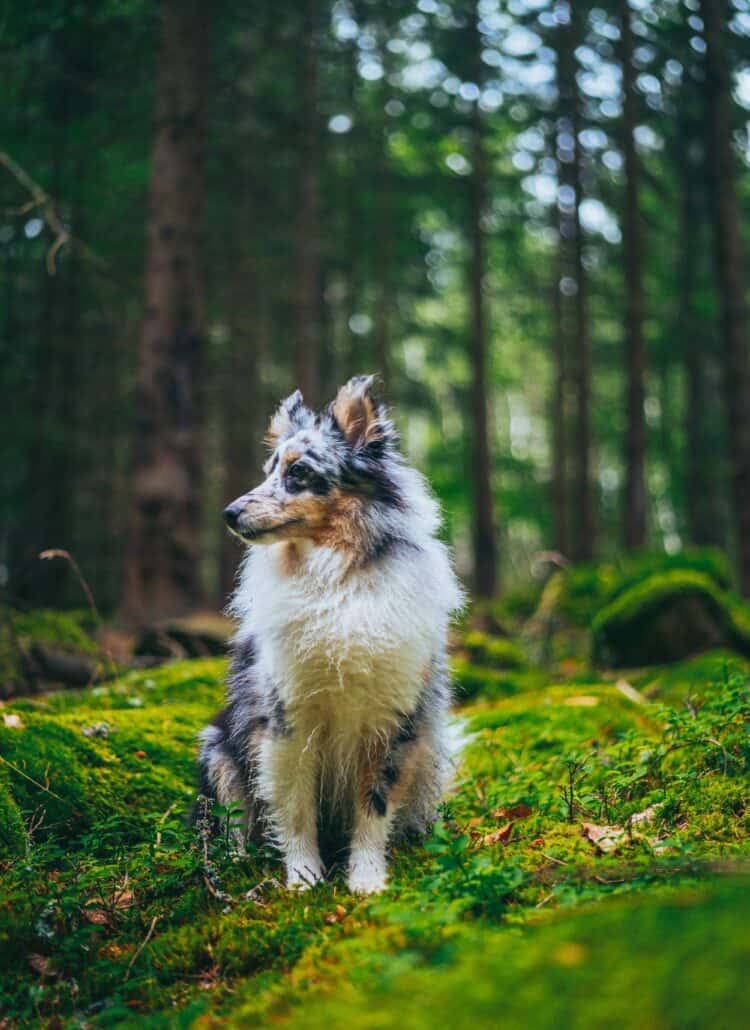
(232, 514)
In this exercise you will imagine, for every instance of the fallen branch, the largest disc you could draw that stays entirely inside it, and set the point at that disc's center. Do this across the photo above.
(142, 945)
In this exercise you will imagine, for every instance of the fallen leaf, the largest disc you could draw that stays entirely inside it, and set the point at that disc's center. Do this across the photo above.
(337, 916)
(538, 842)
(123, 899)
(582, 701)
(646, 815)
(13, 721)
(513, 813)
(606, 838)
(501, 836)
(140, 754)
(96, 916)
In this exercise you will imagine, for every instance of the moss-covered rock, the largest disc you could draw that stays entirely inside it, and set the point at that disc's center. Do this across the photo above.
(31, 642)
(666, 617)
(493, 652)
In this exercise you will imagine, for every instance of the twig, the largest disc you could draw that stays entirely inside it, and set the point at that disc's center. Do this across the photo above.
(551, 858)
(60, 552)
(164, 819)
(32, 780)
(142, 945)
(45, 203)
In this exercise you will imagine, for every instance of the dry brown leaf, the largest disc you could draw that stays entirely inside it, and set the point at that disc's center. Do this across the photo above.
(500, 836)
(514, 813)
(140, 754)
(606, 838)
(337, 916)
(13, 721)
(96, 916)
(123, 899)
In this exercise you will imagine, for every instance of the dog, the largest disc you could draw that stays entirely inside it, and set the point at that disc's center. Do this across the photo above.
(338, 690)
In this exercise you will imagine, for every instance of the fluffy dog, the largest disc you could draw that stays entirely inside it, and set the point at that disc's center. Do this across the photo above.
(338, 692)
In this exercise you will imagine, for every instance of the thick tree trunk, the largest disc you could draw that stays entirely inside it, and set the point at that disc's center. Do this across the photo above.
(574, 286)
(635, 355)
(162, 570)
(485, 546)
(307, 352)
(730, 271)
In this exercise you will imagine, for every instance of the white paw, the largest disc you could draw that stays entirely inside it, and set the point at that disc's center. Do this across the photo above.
(303, 873)
(367, 876)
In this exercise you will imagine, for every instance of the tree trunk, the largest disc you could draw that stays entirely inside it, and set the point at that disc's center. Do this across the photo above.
(574, 286)
(559, 421)
(730, 272)
(307, 352)
(162, 570)
(635, 356)
(485, 547)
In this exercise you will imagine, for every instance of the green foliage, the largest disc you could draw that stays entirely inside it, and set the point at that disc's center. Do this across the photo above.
(493, 652)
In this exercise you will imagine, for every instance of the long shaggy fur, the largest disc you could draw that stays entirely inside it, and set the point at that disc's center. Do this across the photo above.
(338, 692)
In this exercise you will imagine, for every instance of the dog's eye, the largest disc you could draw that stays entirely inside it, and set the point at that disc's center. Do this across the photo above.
(297, 477)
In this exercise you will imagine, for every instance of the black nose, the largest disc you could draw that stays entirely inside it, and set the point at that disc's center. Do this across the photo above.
(232, 514)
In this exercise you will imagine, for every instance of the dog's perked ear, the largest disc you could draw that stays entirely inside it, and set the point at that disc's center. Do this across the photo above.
(360, 417)
(292, 415)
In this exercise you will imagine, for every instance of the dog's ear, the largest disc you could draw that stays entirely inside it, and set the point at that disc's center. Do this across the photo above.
(359, 415)
(292, 415)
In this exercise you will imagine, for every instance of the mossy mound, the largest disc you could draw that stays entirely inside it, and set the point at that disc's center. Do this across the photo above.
(492, 652)
(116, 753)
(29, 639)
(674, 961)
(667, 617)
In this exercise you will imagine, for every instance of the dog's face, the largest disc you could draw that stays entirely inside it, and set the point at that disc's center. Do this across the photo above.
(323, 470)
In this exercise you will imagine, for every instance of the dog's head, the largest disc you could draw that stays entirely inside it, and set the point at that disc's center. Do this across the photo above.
(324, 470)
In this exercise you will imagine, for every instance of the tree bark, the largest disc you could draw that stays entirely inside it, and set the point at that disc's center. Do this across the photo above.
(162, 571)
(485, 545)
(730, 271)
(559, 422)
(574, 285)
(635, 355)
(307, 352)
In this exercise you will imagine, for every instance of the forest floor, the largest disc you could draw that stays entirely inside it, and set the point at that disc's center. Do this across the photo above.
(589, 869)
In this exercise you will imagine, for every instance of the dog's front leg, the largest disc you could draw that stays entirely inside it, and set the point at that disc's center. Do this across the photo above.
(368, 866)
(289, 771)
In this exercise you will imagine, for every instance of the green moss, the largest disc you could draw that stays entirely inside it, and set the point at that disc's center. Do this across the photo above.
(674, 961)
(476, 681)
(493, 652)
(487, 914)
(666, 617)
(693, 677)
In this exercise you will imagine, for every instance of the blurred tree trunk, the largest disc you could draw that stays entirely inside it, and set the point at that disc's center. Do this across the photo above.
(560, 498)
(162, 568)
(635, 355)
(308, 346)
(485, 545)
(699, 495)
(574, 285)
(730, 271)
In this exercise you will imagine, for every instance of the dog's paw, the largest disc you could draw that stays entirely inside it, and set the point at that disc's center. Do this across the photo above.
(301, 874)
(367, 876)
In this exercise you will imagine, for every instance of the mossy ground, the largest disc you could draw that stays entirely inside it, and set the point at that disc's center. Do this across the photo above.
(114, 912)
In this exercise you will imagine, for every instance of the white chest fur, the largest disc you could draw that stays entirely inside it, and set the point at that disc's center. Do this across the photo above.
(347, 649)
